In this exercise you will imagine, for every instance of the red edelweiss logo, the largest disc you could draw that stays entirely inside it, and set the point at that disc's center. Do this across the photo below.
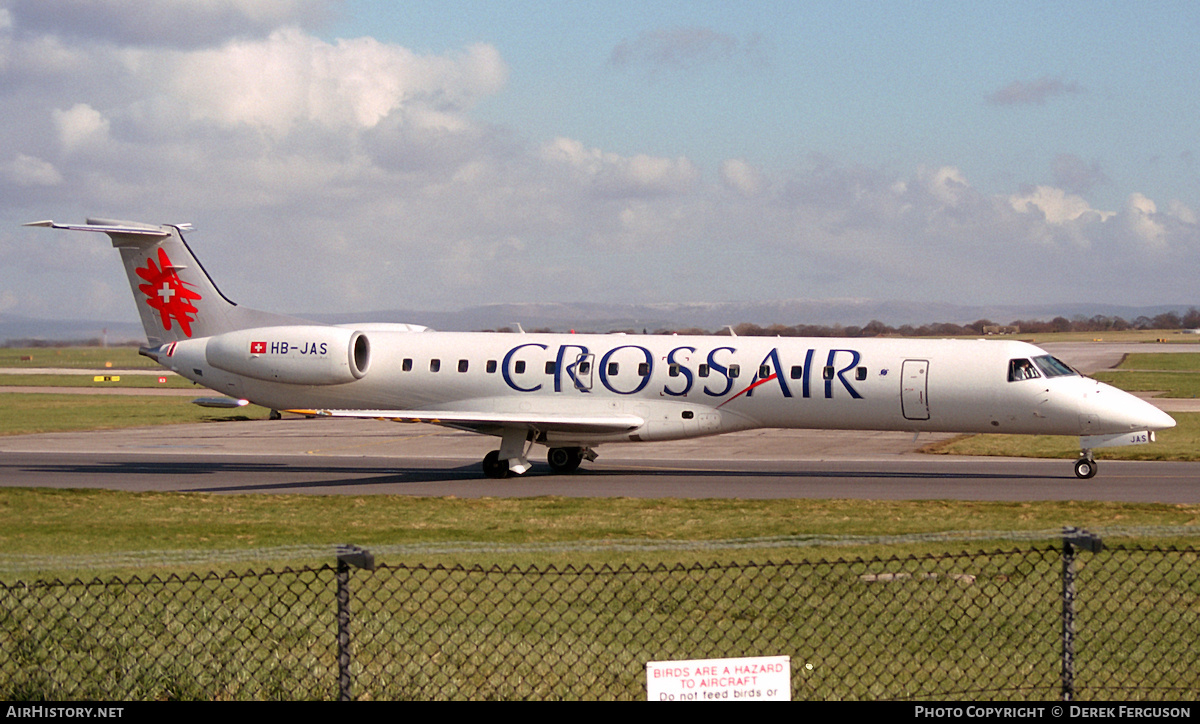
(167, 293)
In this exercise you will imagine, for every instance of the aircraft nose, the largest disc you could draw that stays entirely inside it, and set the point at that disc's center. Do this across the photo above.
(1105, 409)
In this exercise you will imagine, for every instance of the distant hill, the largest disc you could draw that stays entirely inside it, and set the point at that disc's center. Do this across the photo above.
(57, 330)
(594, 317)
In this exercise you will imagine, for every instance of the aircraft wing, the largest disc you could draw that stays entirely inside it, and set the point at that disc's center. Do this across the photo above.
(483, 421)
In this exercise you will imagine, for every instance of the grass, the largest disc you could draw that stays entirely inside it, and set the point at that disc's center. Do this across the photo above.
(1169, 384)
(1173, 375)
(75, 358)
(65, 523)
(487, 630)
(1178, 362)
(1146, 336)
(964, 626)
(170, 380)
(1180, 443)
(22, 414)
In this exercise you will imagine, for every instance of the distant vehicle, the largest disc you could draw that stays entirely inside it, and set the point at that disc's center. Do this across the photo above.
(574, 392)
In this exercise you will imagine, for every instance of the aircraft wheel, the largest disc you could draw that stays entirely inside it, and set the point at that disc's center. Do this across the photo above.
(1085, 468)
(564, 459)
(493, 466)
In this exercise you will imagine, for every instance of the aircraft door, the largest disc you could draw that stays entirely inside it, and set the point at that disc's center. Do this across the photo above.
(914, 389)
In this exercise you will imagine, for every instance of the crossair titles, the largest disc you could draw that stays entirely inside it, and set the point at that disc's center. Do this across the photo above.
(716, 375)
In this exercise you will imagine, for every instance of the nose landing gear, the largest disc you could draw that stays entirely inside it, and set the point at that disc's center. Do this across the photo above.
(1085, 466)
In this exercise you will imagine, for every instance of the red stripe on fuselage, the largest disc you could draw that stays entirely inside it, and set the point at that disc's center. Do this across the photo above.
(751, 387)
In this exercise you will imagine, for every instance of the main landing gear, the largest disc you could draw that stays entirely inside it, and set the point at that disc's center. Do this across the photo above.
(1085, 466)
(565, 459)
(562, 460)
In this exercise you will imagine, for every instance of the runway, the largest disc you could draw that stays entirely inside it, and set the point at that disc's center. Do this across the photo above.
(372, 457)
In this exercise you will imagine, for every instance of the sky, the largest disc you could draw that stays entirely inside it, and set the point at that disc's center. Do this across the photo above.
(360, 155)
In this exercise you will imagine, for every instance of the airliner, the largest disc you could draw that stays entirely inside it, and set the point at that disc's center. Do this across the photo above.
(574, 392)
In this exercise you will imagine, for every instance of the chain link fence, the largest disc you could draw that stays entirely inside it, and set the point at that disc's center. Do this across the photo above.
(1048, 621)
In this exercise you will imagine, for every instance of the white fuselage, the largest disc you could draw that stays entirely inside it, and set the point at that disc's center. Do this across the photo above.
(679, 386)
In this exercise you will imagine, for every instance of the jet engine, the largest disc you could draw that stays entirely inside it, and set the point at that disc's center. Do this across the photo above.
(296, 355)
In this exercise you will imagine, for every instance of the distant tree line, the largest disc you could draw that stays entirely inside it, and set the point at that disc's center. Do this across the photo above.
(875, 328)
(1098, 323)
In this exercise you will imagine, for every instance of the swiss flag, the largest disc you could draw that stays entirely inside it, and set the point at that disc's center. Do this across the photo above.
(258, 348)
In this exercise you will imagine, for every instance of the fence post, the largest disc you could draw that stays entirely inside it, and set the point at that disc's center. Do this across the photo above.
(348, 555)
(1072, 538)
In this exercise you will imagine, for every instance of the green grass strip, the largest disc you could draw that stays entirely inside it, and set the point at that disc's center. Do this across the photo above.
(22, 414)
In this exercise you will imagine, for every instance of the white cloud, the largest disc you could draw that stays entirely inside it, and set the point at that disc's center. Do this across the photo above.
(947, 184)
(683, 47)
(1141, 215)
(742, 177)
(80, 126)
(1035, 92)
(166, 23)
(1182, 212)
(290, 78)
(1056, 205)
(29, 171)
(356, 175)
(615, 175)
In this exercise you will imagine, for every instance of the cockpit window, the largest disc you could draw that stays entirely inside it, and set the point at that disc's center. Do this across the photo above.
(1021, 369)
(1052, 366)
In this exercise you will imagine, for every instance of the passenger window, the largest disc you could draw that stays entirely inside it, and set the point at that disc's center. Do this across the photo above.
(764, 371)
(702, 371)
(519, 367)
(1021, 369)
(827, 373)
(406, 365)
(550, 367)
(491, 366)
(462, 365)
(435, 365)
(585, 368)
(860, 373)
(735, 371)
(643, 369)
(673, 370)
(612, 369)
(797, 372)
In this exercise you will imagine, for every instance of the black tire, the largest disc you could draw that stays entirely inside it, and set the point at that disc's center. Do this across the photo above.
(493, 466)
(1085, 468)
(564, 459)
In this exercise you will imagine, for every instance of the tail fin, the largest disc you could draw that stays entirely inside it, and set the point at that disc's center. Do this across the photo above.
(175, 297)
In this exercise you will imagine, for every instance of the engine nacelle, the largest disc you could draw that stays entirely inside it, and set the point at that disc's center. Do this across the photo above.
(298, 355)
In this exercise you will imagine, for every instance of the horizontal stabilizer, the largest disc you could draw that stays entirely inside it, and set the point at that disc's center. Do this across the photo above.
(115, 228)
(546, 422)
